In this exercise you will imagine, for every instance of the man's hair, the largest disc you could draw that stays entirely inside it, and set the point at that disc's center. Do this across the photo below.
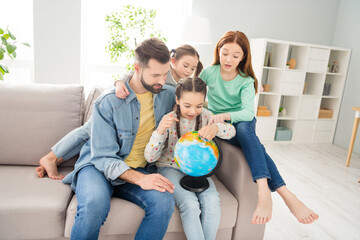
(152, 48)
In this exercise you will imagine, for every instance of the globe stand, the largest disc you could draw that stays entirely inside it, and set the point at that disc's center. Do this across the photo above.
(194, 184)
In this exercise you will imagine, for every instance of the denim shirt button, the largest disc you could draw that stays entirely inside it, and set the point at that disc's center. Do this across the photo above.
(133, 134)
(120, 135)
(137, 118)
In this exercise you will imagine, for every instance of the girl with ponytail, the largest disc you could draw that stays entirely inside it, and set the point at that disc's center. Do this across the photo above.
(200, 212)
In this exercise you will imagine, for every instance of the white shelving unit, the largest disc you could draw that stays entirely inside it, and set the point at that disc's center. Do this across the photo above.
(299, 90)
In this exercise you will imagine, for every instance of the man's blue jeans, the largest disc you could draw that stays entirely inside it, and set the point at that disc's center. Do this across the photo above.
(93, 193)
(260, 163)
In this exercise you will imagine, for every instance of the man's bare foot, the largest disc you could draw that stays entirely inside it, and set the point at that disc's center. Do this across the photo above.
(263, 210)
(298, 208)
(48, 165)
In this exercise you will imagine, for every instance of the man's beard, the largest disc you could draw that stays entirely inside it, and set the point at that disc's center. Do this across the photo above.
(148, 87)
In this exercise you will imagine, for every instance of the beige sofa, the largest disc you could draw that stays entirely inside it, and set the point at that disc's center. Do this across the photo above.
(33, 118)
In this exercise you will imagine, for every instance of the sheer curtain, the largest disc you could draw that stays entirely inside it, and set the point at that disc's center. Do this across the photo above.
(97, 69)
(17, 15)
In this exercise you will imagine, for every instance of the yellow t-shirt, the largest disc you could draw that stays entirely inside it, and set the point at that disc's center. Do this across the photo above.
(136, 157)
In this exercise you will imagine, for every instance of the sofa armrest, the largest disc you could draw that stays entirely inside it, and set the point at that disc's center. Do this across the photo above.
(235, 174)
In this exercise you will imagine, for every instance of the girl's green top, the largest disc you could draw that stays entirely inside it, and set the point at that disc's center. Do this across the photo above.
(235, 97)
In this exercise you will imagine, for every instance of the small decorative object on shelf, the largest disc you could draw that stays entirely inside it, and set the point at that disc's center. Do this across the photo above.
(282, 112)
(283, 134)
(325, 113)
(335, 67)
(287, 66)
(263, 111)
(326, 91)
(266, 87)
(292, 63)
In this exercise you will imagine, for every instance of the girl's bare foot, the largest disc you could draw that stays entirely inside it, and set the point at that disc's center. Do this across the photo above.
(263, 210)
(40, 170)
(48, 165)
(297, 207)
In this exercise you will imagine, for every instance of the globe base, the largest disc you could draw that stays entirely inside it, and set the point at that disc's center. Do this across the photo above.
(194, 184)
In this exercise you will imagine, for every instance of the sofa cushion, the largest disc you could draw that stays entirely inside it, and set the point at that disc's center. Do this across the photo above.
(121, 209)
(90, 99)
(34, 117)
(31, 207)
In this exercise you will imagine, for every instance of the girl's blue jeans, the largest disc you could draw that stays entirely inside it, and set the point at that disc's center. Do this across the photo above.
(93, 193)
(200, 212)
(260, 163)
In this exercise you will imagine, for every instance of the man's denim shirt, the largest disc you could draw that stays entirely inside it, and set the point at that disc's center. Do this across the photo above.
(114, 124)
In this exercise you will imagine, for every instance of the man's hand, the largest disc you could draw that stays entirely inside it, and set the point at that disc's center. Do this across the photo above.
(121, 91)
(156, 182)
(219, 118)
(148, 181)
(208, 132)
(166, 123)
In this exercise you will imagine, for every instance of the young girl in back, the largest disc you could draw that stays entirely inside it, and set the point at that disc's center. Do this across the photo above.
(185, 61)
(200, 212)
(232, 87)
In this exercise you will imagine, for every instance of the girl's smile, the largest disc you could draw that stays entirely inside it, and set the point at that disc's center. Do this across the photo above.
(191, 104)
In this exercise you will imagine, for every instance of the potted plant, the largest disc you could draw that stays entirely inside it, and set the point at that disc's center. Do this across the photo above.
(127, 28)
(8, 47)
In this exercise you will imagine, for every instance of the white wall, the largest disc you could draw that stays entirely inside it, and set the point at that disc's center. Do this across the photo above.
(347, 34)
(57, 41)
(309, 21)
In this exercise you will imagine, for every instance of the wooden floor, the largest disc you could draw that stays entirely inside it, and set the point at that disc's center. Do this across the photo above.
(317, 174)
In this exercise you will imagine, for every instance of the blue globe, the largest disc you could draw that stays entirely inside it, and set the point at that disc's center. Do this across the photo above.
(195, 156)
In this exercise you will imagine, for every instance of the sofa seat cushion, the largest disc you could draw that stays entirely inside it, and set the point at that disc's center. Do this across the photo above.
(125, 217)
(32, 207)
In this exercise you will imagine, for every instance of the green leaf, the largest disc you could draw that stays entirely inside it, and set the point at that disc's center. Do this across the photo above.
(4, 68)
(4, 41)
(10, 48)
(14, 54)
(11, 36)
(6, 36)
(1, 55)
(1, 31)
(26, 44)
(1, 76)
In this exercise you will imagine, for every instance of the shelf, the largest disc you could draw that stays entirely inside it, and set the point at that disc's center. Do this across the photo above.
(330, 97)
(273, 68)
(301, 91)
(286, 118)
(269, 93)
(334, 74)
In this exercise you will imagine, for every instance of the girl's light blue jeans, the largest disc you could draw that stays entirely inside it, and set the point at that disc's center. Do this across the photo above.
(93, 193)
(70, 145)
(200, 212)
(260, 163)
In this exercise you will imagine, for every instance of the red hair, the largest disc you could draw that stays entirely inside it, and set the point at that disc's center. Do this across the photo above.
(245, 66)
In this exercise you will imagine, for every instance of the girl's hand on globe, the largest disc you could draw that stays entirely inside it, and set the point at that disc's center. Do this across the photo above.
(208, 131)
(166, 123)
(219, 118)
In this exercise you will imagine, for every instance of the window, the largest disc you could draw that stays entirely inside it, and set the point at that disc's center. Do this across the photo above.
(17, 15)
(97, 69)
